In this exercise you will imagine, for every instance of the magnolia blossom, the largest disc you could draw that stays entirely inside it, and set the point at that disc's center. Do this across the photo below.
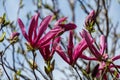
(72, 53)
(100, 55)
(97, 53)
(35, 36)
(34, 32)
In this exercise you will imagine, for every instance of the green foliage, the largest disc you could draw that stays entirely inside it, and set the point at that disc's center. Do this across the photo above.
(2, 37)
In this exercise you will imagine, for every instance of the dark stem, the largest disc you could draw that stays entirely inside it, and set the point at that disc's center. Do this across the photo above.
(77, 72)
(42, 74)
(13, 55)
(34, 55)
(2, 63)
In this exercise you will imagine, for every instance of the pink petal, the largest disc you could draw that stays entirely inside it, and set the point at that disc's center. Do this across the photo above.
(95, 52)
(67, 27)
(50, 35)
(102, 65)
(56, 41)
(36, 25)
(102, 44)
(60, 21)
(54, 45)
(43, 26)
(42, 51)
(70, 45)
(116, 58)
(45, 52)
(62, 54)
(32, 28)
(89, 40)
(22, 27)
(79, 49)
(87, 58)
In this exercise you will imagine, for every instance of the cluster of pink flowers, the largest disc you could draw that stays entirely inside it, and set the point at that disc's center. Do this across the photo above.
(49, 43)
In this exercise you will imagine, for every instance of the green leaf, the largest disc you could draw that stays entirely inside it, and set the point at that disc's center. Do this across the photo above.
(4, 16)
(2, 37)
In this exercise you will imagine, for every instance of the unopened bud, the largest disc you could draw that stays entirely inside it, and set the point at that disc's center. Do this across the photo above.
(90, 20)
(14, 34)
(14, 37)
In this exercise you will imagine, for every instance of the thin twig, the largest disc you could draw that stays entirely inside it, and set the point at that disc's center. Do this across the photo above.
(77, 73)
(2, 63)
(33, 52)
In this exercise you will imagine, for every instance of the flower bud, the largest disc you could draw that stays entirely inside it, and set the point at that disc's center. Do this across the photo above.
(14, 34)
(90, 20)
(14, 37)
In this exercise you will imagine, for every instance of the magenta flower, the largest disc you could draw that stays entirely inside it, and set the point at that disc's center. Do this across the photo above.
(35, 36)
(72, 53)
(35, 33)
(97, 53)
(59, 28)
(100, 55)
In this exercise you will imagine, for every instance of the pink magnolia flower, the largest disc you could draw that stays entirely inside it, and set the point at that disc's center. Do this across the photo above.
(73, 53)
(97, 53)
(35, 36)
(34, 33)
(100, 55)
